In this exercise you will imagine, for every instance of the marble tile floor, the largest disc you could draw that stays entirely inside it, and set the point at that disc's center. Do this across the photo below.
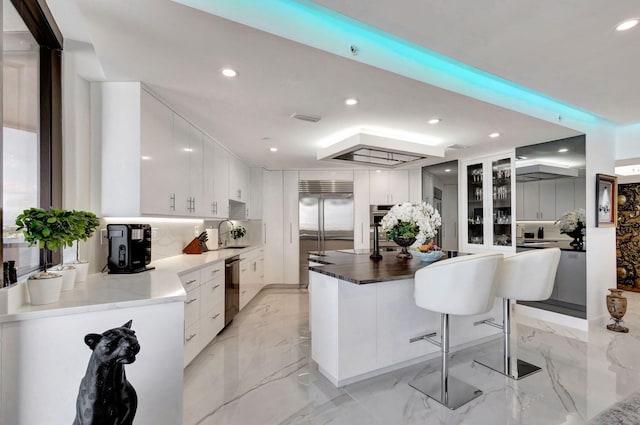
(259, 371)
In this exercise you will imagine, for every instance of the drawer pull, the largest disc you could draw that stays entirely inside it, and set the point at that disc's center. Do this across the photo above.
(191, 301)
(215, 316)
(215, 287)
(190, 337)
(191, 281)
(215, 271)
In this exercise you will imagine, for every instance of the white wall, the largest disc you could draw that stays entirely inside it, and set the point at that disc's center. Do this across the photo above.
(601, 241)
(628, 142)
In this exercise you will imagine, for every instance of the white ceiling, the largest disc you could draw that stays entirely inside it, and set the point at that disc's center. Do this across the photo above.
(571, 54)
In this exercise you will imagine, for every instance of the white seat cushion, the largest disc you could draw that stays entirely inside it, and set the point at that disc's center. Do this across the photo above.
(528, 275)
(464, 285)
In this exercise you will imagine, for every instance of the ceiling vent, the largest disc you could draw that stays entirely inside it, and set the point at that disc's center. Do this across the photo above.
(308, 118)
(379, 151)
(458, 146)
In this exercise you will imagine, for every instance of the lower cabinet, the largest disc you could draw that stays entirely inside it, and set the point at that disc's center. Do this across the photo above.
(203, 308)
(251, 275)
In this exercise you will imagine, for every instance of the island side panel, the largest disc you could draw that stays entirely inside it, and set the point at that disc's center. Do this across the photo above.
(43, 361)
(399, 321)
(323, 291)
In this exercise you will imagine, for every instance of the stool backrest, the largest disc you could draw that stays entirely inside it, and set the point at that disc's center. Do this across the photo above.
(529, 275)
(463, 285)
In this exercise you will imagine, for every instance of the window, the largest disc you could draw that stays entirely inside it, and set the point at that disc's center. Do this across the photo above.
(31, 136)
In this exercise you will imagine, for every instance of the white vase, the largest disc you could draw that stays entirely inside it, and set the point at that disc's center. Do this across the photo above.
(82, 270)
(68, 276)
(44, 290)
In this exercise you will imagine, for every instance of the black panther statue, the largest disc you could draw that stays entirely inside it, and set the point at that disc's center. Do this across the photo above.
(105, 396)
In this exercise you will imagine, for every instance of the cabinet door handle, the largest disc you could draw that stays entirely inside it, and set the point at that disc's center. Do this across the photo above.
(189, 282)
(243, 270)
(215, 205)
(191, 301)
(215, 316)
(190, 337)
(215, 271)
(265, 233)
(193, 201)
(362, 233)
(172, 202)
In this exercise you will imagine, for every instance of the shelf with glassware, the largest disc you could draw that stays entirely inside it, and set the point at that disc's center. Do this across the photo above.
(487, 187)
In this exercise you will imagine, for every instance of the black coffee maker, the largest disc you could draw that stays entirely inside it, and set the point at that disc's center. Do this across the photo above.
(129, 247)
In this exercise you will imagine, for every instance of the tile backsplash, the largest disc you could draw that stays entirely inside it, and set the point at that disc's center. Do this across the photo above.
(169, 237)
(551, 230)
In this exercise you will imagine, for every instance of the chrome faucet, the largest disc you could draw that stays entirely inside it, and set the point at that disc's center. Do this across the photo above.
(226, 240)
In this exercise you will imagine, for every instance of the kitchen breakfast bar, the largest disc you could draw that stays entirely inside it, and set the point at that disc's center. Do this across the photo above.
(363, 316)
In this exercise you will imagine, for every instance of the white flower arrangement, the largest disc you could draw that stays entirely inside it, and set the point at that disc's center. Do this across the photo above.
(570, 219)
(412, 220)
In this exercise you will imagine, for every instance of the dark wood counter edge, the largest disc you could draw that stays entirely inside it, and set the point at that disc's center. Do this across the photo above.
(319, 269)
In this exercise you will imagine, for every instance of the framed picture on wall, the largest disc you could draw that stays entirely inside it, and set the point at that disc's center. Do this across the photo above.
(606, 197)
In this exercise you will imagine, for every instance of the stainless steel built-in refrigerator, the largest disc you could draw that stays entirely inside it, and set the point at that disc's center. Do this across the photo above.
(326, 219)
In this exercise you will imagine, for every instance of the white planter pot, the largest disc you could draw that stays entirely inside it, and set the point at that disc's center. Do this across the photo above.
(68, 276)
(44, 291)
(82, 270)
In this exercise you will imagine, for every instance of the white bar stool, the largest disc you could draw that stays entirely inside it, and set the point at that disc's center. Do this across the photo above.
(526, 276)
(460, 286)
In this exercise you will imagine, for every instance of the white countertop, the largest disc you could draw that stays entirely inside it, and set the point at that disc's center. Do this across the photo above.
(104, 291)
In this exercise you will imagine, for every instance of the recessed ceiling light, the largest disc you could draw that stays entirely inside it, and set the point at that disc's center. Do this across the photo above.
(563, 150)
(627, 25)
(434, 120)
(228, 72)
(448, 170)
(494, 135)
(146, 158)
(187, 150)
(351, 102)
(273, 149)
(378, 171)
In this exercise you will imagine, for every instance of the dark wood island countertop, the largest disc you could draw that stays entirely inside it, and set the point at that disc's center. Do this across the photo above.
(355, 266)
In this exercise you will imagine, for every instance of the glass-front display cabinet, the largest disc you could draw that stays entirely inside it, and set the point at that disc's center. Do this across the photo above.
(489, 189)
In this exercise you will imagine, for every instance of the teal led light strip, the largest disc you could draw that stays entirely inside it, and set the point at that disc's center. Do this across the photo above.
(314, 25)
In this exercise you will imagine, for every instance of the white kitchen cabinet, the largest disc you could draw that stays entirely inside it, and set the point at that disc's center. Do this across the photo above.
(238, 180)
(564, 196)
(157, 183)
(361, 225)
(216, 179)
(152, 158)
(388, 187)
(291, 243)
(539, 201)
(254, 206)
(203, 308)
(520, 201)
(195, 201)
(580, 193)
(251, 275)
(488, 204)
(273, 226)
(415, 185)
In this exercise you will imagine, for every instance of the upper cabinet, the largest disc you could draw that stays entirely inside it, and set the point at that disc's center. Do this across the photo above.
(155, 162)
(254, 206)
(488, 187)
(546, 200)
(216, 178)
(388, 187)
(239, 176)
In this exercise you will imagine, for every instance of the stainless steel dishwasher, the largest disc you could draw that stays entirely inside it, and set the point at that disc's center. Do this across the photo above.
(232, 288)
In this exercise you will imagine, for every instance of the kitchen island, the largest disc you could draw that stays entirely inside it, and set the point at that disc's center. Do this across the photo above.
(362, 316)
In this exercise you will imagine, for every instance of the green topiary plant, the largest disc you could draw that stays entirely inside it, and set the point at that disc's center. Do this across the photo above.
(50, 229)
(85, 224)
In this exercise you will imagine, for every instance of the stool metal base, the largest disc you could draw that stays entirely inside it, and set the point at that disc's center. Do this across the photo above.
(455, 394)
(495, 362)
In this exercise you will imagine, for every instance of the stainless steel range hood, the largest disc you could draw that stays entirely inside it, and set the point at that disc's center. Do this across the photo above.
(367, 149)
(543, 172)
